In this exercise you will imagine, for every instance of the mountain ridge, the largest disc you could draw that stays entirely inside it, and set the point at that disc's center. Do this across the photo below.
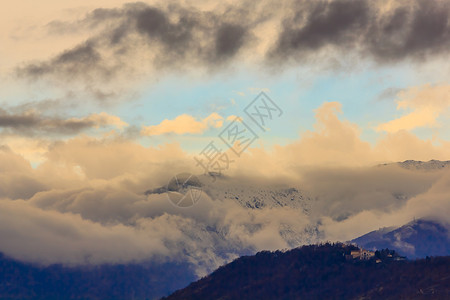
(416, 239)
(420, 165)
(322, 272)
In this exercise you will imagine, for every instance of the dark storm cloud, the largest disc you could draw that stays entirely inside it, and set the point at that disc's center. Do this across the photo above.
(410, 31)
(178, 37)
(155, 24)
(325, 23)
(186, 33)
(229, 39)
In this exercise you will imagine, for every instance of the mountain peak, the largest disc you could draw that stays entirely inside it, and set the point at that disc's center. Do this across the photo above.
(418, 238)
(421, 165)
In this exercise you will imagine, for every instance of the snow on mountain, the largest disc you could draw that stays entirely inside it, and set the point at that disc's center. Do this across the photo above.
(267, 197)
(257, 197)
(255, 211)
(418, 238)
(421, 165)
(241, 217)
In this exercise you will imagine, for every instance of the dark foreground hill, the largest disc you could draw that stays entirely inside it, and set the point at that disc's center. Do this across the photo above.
(323, 272)
(20, 280)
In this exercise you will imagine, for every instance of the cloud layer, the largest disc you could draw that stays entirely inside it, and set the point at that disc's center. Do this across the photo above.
(87, 202)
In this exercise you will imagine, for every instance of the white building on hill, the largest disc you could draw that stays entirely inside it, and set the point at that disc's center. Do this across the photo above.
(362, 254)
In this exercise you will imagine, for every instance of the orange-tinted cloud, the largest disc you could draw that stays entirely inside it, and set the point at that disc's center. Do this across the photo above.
(427, 104)
(184, 124)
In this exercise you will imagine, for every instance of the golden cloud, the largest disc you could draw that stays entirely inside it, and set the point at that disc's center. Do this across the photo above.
(427, 104)
(184, 124)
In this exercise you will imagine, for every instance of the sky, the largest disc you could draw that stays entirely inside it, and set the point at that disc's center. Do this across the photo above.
(102, 100)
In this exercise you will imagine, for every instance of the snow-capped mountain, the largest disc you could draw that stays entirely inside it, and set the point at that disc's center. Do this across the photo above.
(256, 197)
(239, 235)
(421, 165)
(240, 216)
(221, 187)
(418, 238)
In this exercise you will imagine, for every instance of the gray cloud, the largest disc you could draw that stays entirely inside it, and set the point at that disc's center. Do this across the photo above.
(229, 39)
(69, 100)
(31, 122)
(82, 59)
(177, 36)
(414, 30)
(318, 24)
(42, 105)
(389, 94)
(17, 121)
